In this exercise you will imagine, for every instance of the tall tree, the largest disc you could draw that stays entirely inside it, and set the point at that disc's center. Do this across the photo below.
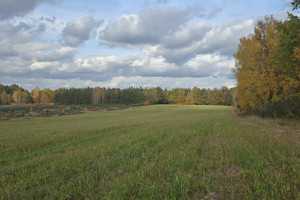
(17, 96)
(45, 98)
(1, 88)
(254, 65)
(4, 98)
(267, 64)
(35, 93)
(50, 94)
(28, 98)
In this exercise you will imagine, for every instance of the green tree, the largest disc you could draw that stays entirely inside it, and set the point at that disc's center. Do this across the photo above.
(295, 4)
(28, 99)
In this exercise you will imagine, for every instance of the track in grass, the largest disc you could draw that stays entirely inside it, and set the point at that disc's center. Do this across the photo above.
(153, 152)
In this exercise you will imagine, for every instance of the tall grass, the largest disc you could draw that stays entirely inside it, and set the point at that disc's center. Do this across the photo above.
(153, 152)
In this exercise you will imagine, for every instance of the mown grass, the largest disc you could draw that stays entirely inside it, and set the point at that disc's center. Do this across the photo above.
(153, 152)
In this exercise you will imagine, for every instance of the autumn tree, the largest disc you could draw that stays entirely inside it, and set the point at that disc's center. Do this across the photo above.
(98, 95)
(45, 98)
(4, 98)
(17, 96)
(267, 69)
(189, 99)
(1, 88)
(36, 96)
(253, 65)
(165, 95)
(177, 96)
(224, 96)
(195, 92)
(147, 96)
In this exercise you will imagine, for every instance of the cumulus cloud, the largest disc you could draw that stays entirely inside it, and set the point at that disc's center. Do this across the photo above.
(148, 27)
(201, 38)
(149, 66)
(104, 68)
(174, 50)
(58, 54)
(213, 65)
(11, 8)
(171, 33)
(43, 52)
(80, 30)
(21, 53)
(30, 50)
(182, 54)
(43, 65)
(13, 34)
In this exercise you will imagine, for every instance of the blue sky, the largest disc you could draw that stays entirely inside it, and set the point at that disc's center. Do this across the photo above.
(118, 43)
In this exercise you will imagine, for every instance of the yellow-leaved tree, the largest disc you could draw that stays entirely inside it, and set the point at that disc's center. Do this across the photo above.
(267, 69)
(4, 97)
(98, 95)
(254, 65)
(19, 96)
(35, 94)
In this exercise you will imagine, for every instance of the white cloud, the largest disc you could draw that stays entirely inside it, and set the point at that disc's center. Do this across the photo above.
(171, 33)
(148, 27)
(176, 50)
(43, 65)
(201, 38)
(79, 31)
(149, 66)
(211, 65)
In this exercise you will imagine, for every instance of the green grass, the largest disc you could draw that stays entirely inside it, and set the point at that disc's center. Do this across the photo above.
(153, 152)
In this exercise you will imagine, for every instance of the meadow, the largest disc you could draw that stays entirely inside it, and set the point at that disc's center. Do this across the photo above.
(150, 152)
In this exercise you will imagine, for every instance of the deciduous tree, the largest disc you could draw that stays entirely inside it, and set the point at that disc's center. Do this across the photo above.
(267, 64)
(35, 93)
(4, 98)
(17, 96)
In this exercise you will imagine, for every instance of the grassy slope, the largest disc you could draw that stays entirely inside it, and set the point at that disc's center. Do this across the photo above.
(154, 152)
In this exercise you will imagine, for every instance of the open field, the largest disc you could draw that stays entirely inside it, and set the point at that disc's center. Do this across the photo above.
(153, 152)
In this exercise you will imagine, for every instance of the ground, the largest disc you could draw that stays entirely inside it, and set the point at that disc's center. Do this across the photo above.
(150, 152)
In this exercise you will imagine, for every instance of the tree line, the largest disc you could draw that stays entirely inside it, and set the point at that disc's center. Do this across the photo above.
(268, 68)
(14, 94)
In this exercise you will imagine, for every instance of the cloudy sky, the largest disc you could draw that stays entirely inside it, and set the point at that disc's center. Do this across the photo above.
(122, 43)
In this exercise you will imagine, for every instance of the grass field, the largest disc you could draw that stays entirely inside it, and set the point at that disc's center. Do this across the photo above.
(153, 152)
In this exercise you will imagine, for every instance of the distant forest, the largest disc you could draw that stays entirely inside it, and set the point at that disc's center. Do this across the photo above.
(15, 94)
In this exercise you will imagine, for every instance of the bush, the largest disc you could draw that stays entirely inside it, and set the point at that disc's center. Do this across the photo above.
(290, 109)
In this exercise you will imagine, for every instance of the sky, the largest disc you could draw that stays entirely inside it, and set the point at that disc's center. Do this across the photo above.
(118, 43)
